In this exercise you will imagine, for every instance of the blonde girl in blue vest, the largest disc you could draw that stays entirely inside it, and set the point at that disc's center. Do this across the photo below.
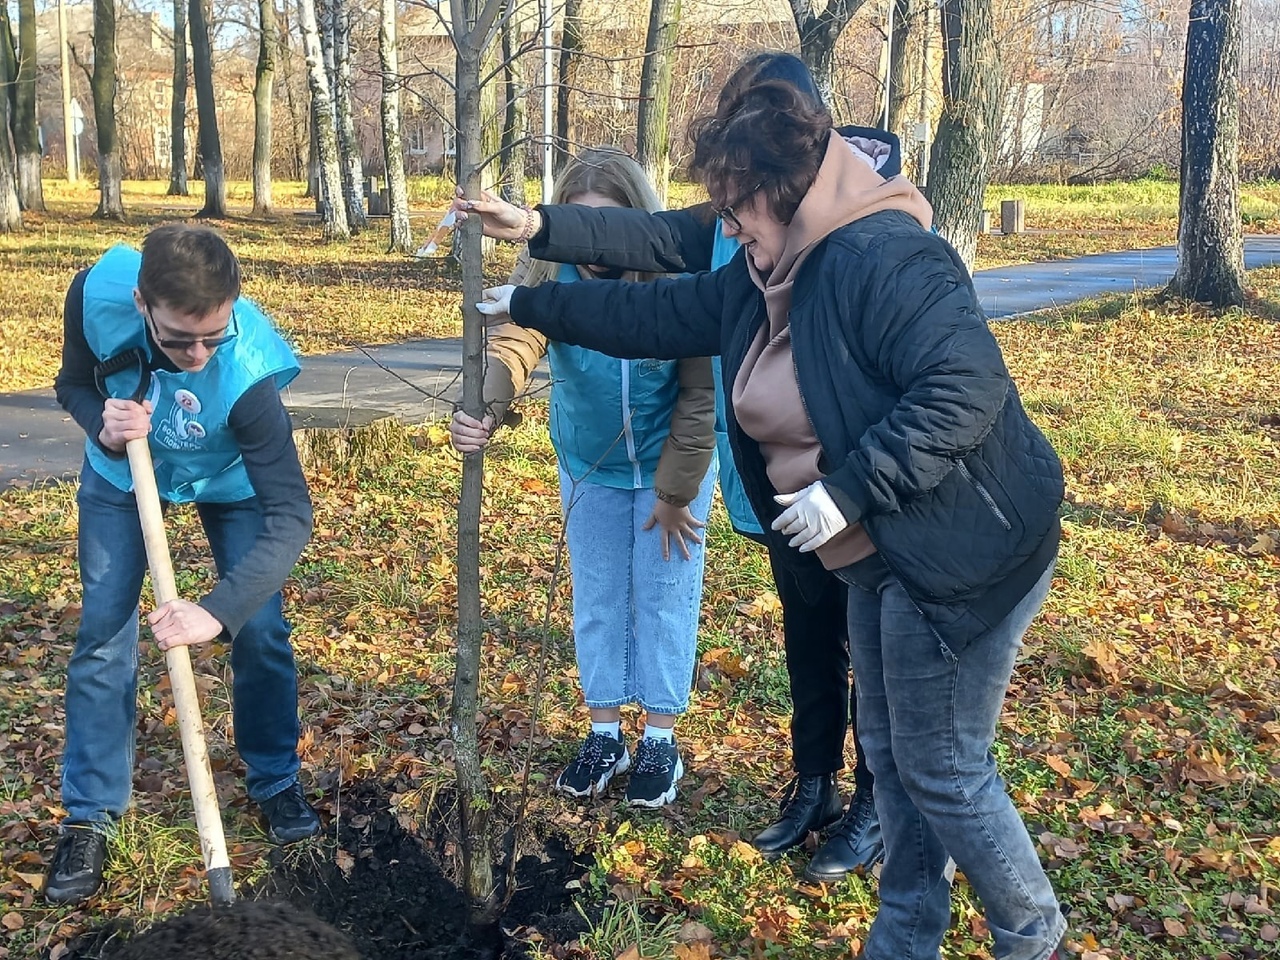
(635, 442)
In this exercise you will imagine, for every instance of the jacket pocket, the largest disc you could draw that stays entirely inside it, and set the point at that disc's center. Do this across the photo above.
(984, 494)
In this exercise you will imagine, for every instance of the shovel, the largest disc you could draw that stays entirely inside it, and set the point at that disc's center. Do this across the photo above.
(213, 845)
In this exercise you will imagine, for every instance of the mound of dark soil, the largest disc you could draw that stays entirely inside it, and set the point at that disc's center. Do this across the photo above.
(391, 888)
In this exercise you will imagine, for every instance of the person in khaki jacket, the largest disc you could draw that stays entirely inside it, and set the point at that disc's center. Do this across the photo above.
(635, 441)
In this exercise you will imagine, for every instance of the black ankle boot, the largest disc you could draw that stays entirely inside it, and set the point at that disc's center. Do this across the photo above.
(856, 844)
(809, 803)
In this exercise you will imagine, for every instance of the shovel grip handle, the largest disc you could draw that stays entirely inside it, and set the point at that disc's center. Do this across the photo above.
(186, 699)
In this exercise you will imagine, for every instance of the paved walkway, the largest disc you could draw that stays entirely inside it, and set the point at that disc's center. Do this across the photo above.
(37, 439)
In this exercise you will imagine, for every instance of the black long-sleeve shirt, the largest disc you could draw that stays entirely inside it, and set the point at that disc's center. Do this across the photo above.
(264, 434)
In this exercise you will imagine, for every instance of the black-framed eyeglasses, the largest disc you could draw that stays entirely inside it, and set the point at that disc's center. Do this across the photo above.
(209, 343)
(726, 213)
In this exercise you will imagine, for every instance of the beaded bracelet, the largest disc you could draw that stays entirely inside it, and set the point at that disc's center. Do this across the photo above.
(527, 231)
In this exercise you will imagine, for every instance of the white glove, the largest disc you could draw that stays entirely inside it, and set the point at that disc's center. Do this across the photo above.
(811, 518)
(497, 303)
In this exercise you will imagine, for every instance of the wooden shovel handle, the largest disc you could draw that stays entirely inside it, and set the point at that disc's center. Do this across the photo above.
(186, 698)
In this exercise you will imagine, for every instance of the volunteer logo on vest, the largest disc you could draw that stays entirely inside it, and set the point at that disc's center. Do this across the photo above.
(177, 428)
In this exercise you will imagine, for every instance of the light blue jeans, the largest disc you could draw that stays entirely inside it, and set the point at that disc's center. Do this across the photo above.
(927, 719)
(635, 615)
(102, 677)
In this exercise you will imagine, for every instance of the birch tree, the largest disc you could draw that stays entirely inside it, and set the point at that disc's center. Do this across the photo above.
(333, 209)
(215, 184)
(348, 146)
(1210, 242)
(178, 105)
(392, 149)
(263, 83)
(10, 208)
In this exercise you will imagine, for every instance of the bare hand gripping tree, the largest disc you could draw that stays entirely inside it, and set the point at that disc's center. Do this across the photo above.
(1210, 244)
(474, 29)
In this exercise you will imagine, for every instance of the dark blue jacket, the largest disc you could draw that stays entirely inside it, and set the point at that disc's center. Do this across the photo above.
(924, 439)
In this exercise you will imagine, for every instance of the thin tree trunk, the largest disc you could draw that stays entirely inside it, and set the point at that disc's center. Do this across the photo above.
(571, 46)
(393, 150)
(26, 132)
(103, 83)
(818, 35)
(1210, 242)
(471, 25)
(178, 105)
(10, 208)
(348, 145)
(515, 126)
(972, 91)
(653, 146)
(297, 123)
(215, 185)
(333, 209)
(263, 84)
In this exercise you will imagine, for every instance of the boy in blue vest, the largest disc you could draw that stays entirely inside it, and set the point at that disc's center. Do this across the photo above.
(185, 361)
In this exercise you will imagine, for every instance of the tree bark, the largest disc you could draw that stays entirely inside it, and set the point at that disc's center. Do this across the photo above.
(263, 85)
(1210, 241)
(284, 55)
(905, 15)
(215, 184)
(571, 46)
(393, 150)
(653, 146)
(103, 84)
(10, 208)
(515, 125)
(972, 93)
(26, 132)
(471, 25)
(818, 35)
(348, 145)
(178, 105)
(333, 209)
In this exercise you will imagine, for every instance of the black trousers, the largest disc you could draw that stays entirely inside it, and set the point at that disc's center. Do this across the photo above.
(816, 639)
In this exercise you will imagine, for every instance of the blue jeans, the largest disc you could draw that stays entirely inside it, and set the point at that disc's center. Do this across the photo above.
(927, 720)
(102, 677)
(635, 615)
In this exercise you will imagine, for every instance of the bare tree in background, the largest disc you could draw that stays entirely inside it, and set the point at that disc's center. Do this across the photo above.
(263, 84)
(10, 208)
(178, 105)
(571, 47)
(348, 146)
(653, 143)
(103, 83)
(333, 208)
(26, 132)
(907, 15)
(972, 94)
(1210, 244)
(819, 32)
(215, 184)
(515, 121)
(397, 188)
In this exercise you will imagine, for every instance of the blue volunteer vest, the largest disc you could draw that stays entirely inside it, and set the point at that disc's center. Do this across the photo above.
(609, 418)
(195, 453)
(741, 515)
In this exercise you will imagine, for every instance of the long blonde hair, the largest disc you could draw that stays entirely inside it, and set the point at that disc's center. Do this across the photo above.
(609, 172)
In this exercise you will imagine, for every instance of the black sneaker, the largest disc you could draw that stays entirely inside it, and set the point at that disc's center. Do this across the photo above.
(658, 767)
(75, 872)
(600, 758)
(289, 817)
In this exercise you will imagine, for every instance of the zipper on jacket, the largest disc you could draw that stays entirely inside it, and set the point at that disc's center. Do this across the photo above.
(984, 494)
(630, 437)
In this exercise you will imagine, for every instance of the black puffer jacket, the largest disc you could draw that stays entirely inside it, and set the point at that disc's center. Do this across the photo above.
(924, 438)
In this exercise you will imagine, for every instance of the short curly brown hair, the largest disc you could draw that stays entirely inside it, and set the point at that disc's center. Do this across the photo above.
(245, 930)
(768, 137)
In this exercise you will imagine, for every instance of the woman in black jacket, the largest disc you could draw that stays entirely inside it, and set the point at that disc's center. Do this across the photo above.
(814, 623)
(880, 438)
